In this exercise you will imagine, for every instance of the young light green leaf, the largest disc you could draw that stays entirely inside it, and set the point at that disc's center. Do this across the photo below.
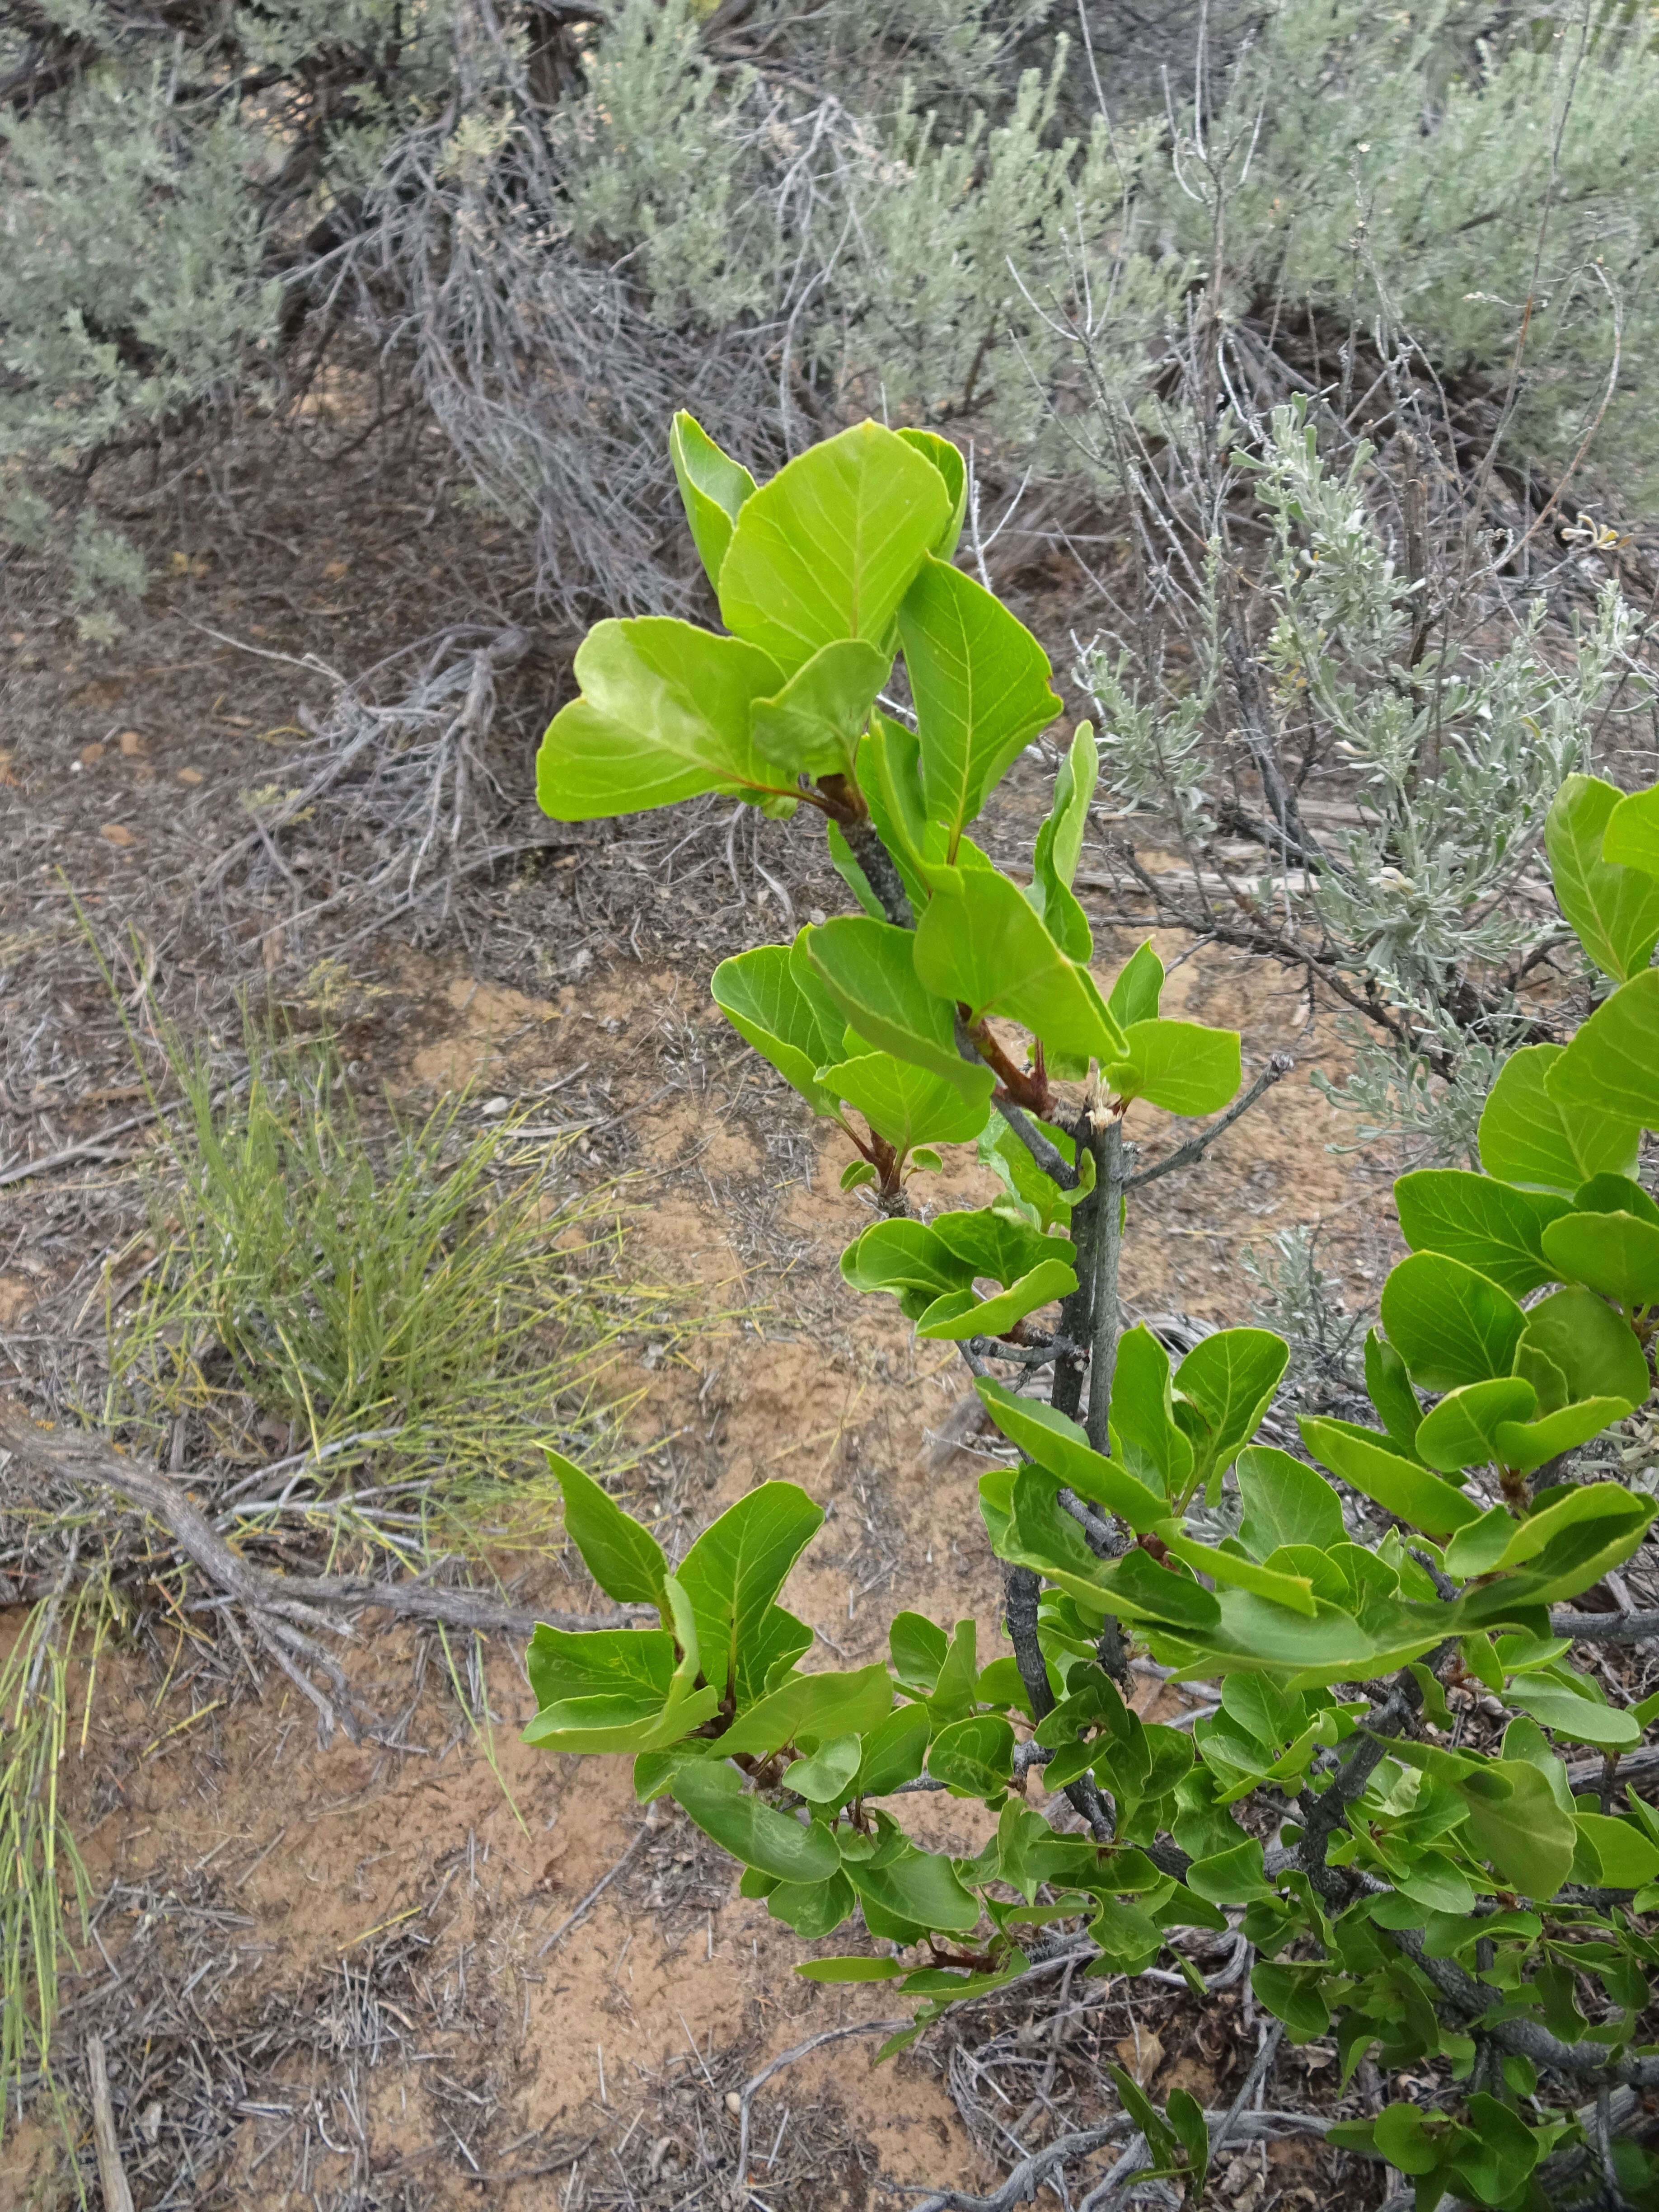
(1286, 1501)
(991, 1244)
(1388, 1387)
(906, 1104)
(1461, 1430)
(903, 1255)
(1059, 1444)
(1628, 1858)
(1631, 837)
(663, 715)
(953, 1320)
(713, 1794)
(825, 1778)
(1144, 1433)
(1448, 1323)
(624, 1558)
(1230, 1377)
(777, 1005)
(733, 1572)
(1059, 847)
(827, 549)
(1137, 987)
(1525, 1837)
(1595, 1348)
(813, 725)
(1579, 1720)
(1612, 1066)
(1486, 1225)
(1617, 1253)
(1185, 1067)
(1615, 910)
(867, 969)
(893, 1753)
(1527, 1136)
(980, 944)
(1235, 1573)
(1399, 1485)
(981, 683)
(851, 1970)
(812, 1709)
(1524, 1445)
(949, 462)
(712, 487)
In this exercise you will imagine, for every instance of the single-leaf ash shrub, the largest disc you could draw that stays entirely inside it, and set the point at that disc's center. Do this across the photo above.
(1423, 1899)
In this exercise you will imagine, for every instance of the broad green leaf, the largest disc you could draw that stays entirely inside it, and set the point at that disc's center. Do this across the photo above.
(777, 1004)
(733, 1572)
(948, 460)
(713, 486)
(917, 1886)
(1286, 1501)
(918, 1646)
(1252, 1633)
(1528, 1136)
(1628, 1857)
(958, 1674)
(813, 1909)
(1145, 1434)
(893, 1753)
(825, 1778)
(991, 1244)
(906, 1104)
(1399, 1485)
(1611, 1194)
(1617, 1253)
(1595, 1348)
(1183, 1067)
(812, 1709)
(867, 969)
(1137, 987)
(633, 1663)
(812, 725)
(981, 683)
(1615, 910)
(1231, 1877)
(976, 1754)
(1230, 1377)
(1448, 1323)
(1460, 1430)
(827, 549)
(952, 1320)
(663, 715)
(618, 1689)
(1488, 1225)
(1056, 1442)
(713, 1794)
(1037, 1533)
(903, 1256)
(1612, 1066)
(1293, 1591)
(1524, 1445)
(851, 1970)
(1292, 1995)
(1388, 1387)
(1526, 1837)
(1580, 1720)
(624, 1560)
(1038, 1197)
(1631, 837)
(1186, 2116)
(1494, 2156)
(979, 944)
(1591, 1502)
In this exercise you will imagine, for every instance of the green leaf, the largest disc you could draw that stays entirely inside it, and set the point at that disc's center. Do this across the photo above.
(1291, 1994)
(812, 1709)
(1183, 1067)
(958, 1674)
(1526, 1837)
(1631, 837)
(981, 683)
(752, 1830)
(1615, 910)
(618, 1689)
(1595, 1348)
(1611, 1194)
(1496, 2172)
(1293, 1591)
(918, 1646)
(1591, 1505)
(917, 1886)
(974, 1755)
(1628, 1857)
(1186, 2116)
(1058, 1444)
(1034, 1193)
(1388, 1387)
(713, 486)
(733, 1572)
(827, 549)
(826, 1778)
(633, 1663)
(1448, 1323)
(980, 944)
(813, 1909)
(906, 1104)
(776, 1004)
(1230, 1377)
(663, 715)
(907, 1259)
(1399, 1485)
(1460, 1430)
(1617, 1253)
(989, 1243)
(867, 969)
(893, 1753)
(624, 1560)
(1059, 847)
(958, 1315)
(856, 1174)
(1144, 1433)
(949, 462)
(851, 1970)
(1612, 1066)
(1137, 987)
(812, 725)
(1580, 1720)
(1524, 1445)
(1528, 1136)
(1488, 1225)
(1286, 1501)
(1231, 1877)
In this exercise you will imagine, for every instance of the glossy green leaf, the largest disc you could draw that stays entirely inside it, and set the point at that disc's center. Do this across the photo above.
(1594, 1347)
(946, 458)
(1286, 1503)
(890, 776)
(814, 1909)
(1611, 1194)
(1183, 1067)
(1579, 1720)
(1230, 1377)
(918, 1887)
(1612, 1066)
(827, 549)
(976, 1754)
(1231, 1877)
(851, 1970)
(663, 715)
(1399, 1485)
(1526, 1837)
(624, 1560)
(1144, 1433)
(812, 1709)
(825, 1778)
(1628, 1858)
(1524, 1445)
(893, 1753)
(1631, 836)
(712, 487)
(1614, 910)
(714, 1794)
(907, 1105)
(953, 1321)
(1293, 1591)
(867, 969)
(1137, 986)
(1388, 1387)
(958, 1674)
(991, 1244)
(811, 726)
(979, 944)
(1058, 1444)
(1292, 1996)
(1617, 1253)
(981, 683)
(903, 1256)
(1488, 1225)
(918, 1646)
(733, 1572)
(613, 1690)
(1449, 1324)
(776, 1004)
(633, 1663)
(1529, 1137)
(1460, 1430)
